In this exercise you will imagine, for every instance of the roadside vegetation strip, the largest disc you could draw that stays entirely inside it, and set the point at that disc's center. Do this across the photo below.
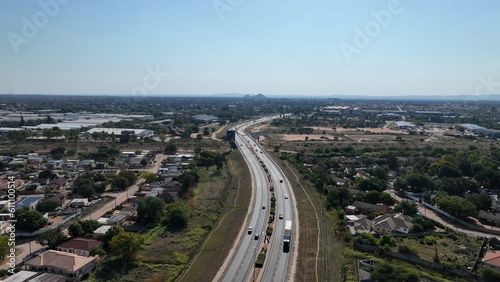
(220, 221)
(216, 248)
(317, 219)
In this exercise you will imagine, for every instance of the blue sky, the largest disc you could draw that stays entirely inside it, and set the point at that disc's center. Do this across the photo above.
(249, 46)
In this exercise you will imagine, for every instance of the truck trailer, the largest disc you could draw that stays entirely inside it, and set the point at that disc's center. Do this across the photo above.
(288, 236)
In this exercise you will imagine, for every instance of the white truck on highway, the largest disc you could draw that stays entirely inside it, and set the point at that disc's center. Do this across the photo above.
(287, 237)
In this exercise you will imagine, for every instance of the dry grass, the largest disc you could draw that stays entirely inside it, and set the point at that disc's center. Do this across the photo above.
(217, 245)
(320, 254)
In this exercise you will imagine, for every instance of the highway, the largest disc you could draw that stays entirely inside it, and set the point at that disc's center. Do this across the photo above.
(242, 262)
(277, 264)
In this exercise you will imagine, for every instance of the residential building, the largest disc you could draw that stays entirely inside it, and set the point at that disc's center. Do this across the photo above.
(365, 208)
(388, 224)
(33, 276)
(29, 202)
(492, 259)
(79, 246)
(70, 265)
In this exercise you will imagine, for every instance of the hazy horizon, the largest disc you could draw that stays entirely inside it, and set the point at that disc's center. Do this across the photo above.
(278, 48)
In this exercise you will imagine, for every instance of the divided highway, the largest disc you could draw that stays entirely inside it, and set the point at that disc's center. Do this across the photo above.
(277, 264)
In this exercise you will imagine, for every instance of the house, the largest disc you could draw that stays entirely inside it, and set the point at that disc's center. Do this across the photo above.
(33, 276)
(489, 217)
(101, 165)
(70, 163)
(362, 225)
(128, 154)
(34, 163)
(364, 207)
(116, 219)
(54, 164)
(129, 211)
(72, 266)
(17, 163)
(102, 229)
(86, 164)
(155, 192)
(388, 224)
(350, 219)
(109, 172)
(29, 202)
(135, 162)
(6, 185)
(350, 209)
(169, 196)
(58, 185)
(492, 259)
(79, 246)
(79, 203)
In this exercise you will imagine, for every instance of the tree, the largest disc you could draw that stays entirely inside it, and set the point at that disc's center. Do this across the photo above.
(149, 176)
(119, 182)
(178, 214)
(489, 274)
(414, 182)
(150, 210)
(162, 137)
(30, 220)
(112, 232)
(171, 148)
(84, 186)
(89, 225)
(51, 238)
(483, 201)
(187, 180)
(47, 206)
(127, 245)
(123, 180)
(75, 229)
(44, 174)
(58, 152)
(380, 172)
(406, 207)
(386, 272)
(456, 206)
(4, 247)
(371, 184)
(97, 251)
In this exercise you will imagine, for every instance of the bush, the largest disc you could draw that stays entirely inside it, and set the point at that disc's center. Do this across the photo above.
(408, 250)
(452, 236)
(260, 260)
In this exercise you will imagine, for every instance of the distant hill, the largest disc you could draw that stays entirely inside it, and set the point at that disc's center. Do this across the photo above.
(239, 95)
(258, 96)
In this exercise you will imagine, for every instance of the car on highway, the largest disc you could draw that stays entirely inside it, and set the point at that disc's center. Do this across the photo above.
(286, 196)
(250, 229)
(281, 180)
(256, 236)
(263, 207)
(281, 216)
